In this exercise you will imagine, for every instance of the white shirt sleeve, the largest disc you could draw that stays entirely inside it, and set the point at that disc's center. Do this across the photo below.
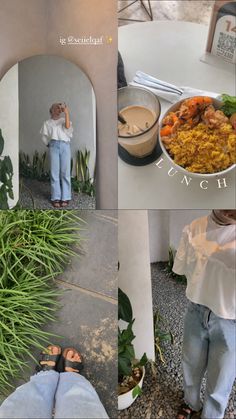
(181, 255)
(44, 134)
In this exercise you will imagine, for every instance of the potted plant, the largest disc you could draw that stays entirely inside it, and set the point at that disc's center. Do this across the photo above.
(131, 371)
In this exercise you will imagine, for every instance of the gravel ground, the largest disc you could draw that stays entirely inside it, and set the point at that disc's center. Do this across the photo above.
(39, 192)
(162, 394)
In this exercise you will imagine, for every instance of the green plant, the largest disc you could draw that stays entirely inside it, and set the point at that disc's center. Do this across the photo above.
(127, 364)
(161, 335)
(82, 182)
(6, 176)
(179, 278)
(35, 168)
(35, 246)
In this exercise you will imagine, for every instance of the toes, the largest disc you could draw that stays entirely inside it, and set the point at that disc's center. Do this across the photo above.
(70, 355)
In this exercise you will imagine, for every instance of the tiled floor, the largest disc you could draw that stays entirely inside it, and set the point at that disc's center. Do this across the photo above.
(187, 10)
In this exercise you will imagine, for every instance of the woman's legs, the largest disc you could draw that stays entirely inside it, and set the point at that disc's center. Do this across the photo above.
(76, 398)
(195, 354)
(221, 368)
(33, 400)
(65, 171)
(54, 148)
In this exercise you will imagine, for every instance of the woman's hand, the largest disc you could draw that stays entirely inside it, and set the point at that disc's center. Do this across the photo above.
(65, 109)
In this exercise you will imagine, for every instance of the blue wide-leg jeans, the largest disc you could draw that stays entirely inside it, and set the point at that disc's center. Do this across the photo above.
(209, 346)
(70, 395)
(60, 162)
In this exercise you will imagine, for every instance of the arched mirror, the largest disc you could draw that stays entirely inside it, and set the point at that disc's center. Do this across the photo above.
(48, 123)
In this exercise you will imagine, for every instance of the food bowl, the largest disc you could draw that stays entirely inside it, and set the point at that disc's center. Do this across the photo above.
(217, 105)
(141, 109)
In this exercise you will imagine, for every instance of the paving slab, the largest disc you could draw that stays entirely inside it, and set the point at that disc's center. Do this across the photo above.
(89, 323)
(96, 267)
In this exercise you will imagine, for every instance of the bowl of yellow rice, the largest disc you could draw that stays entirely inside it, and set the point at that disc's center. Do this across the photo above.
(197, 138)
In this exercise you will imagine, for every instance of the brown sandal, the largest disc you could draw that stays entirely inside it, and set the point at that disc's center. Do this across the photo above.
(56, 204)
(186, 412)
(64, 204)
(77, 366)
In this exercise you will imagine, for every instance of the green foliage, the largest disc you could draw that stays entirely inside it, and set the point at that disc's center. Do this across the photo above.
(229, 104)
(87, 187)
(126, 353)
(125, 311)
(82, 182)
(35, 246)
(137, 391)
(161, 335)
(179, 278)
(33, 168)
(6, 176)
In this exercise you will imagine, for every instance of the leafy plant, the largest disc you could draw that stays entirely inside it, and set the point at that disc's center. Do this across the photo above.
(82, 182)
(6, 176)
(179, 278)
(126, 353)
(161, 335)
(35, 168)
(35, 246)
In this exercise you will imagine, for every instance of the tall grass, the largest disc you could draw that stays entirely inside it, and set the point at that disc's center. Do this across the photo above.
(35, 246)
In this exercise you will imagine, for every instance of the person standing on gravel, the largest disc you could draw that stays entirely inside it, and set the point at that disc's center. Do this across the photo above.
(56, 134)
(207, 257)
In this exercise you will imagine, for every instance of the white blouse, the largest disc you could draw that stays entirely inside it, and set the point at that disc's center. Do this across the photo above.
(54, 129)
(206, 256)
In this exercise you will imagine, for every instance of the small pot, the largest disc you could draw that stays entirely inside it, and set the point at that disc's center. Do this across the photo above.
(125, 400)
(217, 104)
(141, 144)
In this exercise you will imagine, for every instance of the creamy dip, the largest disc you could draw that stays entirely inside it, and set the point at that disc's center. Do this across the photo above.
(139, 119)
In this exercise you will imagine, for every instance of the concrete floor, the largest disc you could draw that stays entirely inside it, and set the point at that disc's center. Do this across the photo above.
(87, 319)
(187, 10)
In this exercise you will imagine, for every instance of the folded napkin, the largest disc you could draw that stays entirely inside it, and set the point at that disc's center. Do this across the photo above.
(167, 91)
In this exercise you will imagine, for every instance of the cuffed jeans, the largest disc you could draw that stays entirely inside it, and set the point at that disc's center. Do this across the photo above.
(72, 395)
(209, 345)
(60, 161)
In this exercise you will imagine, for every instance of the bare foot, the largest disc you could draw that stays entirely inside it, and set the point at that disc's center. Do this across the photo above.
(51, 350)
(73, 356)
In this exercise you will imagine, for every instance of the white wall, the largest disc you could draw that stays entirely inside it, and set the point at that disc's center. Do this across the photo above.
(159, 232)
(9, 123)
(135, 276)
(43, 80)
(165, 229)
(34, 27)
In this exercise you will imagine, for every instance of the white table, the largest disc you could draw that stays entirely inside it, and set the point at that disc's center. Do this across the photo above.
(171, 51)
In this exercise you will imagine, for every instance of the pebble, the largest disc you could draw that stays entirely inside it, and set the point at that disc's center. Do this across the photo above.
(40, 191)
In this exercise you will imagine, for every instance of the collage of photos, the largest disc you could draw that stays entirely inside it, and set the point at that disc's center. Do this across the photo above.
(118, 209)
